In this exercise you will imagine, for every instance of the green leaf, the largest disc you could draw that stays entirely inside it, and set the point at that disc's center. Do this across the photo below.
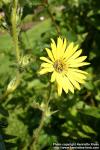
(65, 134)
(36, 84)
(88, 129)
(5, 42)
(89, 85)
(94, 112)
(31, 36)
(82, 135)
(97, 96)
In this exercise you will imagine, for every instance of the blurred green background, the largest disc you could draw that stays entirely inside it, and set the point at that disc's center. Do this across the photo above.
(78, 116)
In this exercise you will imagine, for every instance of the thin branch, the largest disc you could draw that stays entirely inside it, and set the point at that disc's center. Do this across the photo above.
(53, 19)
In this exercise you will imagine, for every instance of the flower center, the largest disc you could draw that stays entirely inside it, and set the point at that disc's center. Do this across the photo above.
(59, 66)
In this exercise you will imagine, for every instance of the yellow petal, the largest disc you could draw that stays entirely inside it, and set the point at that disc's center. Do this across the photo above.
(73, 81)
(64, 44)
(50, 54)
(65, 87)
(46, 70)
(54, 49)
(80, 71)
(68, 83)
(78, 64)
(80, 80)
(59, 78)
(78, 60)
(61, 82)
(77, 76)
(69, 51)
(80, 75)
(75, 48)
(59, 47)
(53, 76)
(63, 47)
(59, 43)
(75, 55)
(46, 59)
(46, 65)
(59, 90)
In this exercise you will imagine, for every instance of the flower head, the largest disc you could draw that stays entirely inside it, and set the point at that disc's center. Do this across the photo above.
(64, 62)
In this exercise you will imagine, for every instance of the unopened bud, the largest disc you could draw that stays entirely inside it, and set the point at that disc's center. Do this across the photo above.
(24, 61)
(12, 85)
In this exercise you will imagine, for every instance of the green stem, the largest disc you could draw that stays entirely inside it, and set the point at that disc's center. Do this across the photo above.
(38, 130)
(14, 28)
(15, 41)
(33, 144)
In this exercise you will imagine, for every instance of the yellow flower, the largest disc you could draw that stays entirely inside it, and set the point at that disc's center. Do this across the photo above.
(64, 62)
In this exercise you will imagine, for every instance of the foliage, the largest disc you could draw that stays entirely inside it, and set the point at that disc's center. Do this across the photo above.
(75, 117)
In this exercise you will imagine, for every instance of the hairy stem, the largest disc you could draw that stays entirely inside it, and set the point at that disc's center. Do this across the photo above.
(37, 132)
(15, 41)
(35, 138)
(14, 28)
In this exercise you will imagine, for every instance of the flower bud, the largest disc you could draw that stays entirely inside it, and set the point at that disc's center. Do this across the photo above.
(12, 85)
